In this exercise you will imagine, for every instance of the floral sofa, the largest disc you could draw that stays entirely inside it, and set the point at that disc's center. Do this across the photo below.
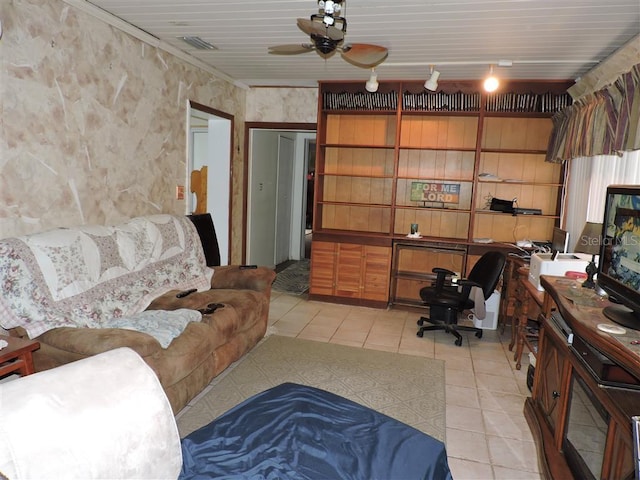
(145, 285)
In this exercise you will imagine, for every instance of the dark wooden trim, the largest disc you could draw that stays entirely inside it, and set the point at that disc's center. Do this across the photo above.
(551, 463)
(248, 126)
(359, 302)
(352, 237)
(212, 111)
(231, 118)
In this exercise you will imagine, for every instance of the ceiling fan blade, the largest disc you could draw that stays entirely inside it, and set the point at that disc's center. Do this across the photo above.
(364, 55)
(320, 29)
(291, 49)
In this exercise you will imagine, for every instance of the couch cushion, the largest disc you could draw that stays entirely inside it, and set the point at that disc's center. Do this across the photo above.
(163, 325)
(240, 309)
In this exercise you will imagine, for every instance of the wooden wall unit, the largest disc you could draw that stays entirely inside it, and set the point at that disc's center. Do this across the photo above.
(372, 147)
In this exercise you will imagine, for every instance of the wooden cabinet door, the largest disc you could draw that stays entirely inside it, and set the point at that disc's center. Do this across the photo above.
(621, 457)
(349, 270)
(323, 268)
(550, 394)
(375, 277)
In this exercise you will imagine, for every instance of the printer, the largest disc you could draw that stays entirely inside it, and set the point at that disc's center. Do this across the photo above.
(544, 264)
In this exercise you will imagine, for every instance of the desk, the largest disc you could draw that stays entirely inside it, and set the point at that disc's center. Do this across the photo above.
(565, 384)
(413, 262)
(529, 303)
(508, 295)
(16, 357)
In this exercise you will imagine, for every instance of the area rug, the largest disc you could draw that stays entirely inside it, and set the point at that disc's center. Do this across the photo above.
(407, 388)
(293, 279)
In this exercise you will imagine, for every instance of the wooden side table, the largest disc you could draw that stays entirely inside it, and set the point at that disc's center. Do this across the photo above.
(17, 356)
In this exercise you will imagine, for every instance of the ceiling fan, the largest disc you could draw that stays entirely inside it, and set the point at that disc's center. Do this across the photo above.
(327, 30)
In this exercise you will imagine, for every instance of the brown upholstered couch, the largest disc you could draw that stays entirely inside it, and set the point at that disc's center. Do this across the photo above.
(199, 353)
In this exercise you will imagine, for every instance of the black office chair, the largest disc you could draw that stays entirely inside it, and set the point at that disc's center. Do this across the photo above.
(447, 301)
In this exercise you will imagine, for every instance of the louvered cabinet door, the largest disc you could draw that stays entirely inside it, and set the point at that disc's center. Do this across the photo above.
(349, 270)
(376, 273)
(323, 268)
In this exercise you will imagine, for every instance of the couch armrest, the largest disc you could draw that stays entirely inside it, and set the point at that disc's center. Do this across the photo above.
(85, 342)
(232, 277)
(105, 416)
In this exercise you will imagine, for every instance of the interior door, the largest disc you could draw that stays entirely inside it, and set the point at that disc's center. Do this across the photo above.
(262, 199)
(283, 198)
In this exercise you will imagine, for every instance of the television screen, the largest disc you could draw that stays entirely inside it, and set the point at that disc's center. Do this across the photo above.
(619, 266)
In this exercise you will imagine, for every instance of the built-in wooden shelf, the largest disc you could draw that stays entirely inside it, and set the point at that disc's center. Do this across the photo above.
(374, 148)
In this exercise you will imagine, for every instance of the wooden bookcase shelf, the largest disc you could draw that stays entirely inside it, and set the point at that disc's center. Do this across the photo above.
(377, 151)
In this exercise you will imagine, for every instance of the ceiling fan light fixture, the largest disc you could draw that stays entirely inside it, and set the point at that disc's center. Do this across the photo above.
(491, 83)
(432, 83)
(372, 84)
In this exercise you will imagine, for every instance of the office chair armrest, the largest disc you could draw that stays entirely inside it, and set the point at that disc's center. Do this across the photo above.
(441, 275)
(439, 270)
(466, 285)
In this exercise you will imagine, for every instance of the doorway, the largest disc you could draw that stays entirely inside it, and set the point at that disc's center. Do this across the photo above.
(211, 146)
(276, 192)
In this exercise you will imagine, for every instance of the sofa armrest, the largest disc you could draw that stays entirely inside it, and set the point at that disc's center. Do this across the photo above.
(91, 341)
(233, 277)
(105, 416)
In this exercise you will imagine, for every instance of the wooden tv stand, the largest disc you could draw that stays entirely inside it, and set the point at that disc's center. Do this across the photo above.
(603, 366)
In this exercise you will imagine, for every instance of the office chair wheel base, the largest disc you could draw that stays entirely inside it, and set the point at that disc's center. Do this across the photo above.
(459, 342)
(420, 322)
(479, 334)
(420, 333)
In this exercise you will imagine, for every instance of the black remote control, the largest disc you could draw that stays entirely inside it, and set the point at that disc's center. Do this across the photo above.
(186, 292)
(246, 267)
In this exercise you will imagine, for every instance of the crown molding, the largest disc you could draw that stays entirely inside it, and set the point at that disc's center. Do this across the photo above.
(143, 36)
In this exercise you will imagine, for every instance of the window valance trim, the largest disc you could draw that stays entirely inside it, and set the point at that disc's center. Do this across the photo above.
(606, 122)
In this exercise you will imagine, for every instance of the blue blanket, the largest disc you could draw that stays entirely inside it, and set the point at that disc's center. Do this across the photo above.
(297, 432)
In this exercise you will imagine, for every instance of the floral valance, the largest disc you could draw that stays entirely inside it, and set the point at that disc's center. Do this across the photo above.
(606, 122)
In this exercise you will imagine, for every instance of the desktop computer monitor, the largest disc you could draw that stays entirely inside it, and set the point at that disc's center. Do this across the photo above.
(559, 241)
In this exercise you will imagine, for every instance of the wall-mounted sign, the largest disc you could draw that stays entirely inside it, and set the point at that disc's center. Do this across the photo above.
(435, 192)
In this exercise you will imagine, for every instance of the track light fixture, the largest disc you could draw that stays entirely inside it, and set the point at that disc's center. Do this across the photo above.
(372, 83)
(491, 83)
(432, 83)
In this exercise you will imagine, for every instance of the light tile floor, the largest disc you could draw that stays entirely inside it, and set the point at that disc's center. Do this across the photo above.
(487, 434)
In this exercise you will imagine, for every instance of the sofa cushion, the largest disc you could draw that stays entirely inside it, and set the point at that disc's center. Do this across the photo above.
(240, 309)
(162, 325)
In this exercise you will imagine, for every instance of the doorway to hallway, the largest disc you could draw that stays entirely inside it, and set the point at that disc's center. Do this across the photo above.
(277, 193)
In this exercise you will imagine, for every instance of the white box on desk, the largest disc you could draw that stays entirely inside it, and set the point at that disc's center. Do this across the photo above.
(492, 307)
(541, 264)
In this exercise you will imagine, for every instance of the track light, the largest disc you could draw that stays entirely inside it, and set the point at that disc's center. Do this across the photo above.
(491, 83)
(372, 83)
(432, 83)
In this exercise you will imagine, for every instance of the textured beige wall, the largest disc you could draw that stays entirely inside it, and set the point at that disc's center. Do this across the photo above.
(94, 122)
(296, 105)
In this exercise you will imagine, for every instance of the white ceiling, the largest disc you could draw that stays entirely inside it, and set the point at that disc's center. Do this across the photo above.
(545, 39)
